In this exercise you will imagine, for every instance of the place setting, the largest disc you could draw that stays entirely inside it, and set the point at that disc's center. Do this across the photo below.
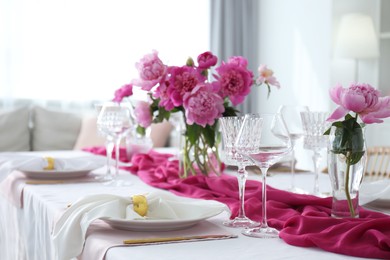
(40, 169)
(155, 217)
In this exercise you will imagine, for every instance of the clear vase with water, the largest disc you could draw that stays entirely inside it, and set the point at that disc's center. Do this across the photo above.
(346, 162)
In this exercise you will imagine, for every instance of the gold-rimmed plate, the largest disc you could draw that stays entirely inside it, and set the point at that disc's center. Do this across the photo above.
(55, 174)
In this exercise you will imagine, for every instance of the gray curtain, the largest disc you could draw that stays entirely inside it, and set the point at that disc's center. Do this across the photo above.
(235, 31)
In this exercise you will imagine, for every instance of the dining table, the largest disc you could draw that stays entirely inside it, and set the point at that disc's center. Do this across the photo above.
(31, 208)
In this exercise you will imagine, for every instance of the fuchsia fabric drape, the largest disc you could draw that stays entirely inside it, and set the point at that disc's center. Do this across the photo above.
(303, 220)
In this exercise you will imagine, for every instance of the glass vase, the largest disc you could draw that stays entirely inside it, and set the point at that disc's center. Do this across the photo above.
(199, 158)
(199, 155)
(346, 162)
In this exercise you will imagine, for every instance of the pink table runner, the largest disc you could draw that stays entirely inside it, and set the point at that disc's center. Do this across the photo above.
(303, 220)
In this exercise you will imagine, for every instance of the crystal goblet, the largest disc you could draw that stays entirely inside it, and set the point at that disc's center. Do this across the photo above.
(315, 125)
(230, 127)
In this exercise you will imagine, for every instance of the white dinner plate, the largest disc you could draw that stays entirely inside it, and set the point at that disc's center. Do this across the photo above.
(376, 194)
(55, 174)
(382, 203)
(155, 224)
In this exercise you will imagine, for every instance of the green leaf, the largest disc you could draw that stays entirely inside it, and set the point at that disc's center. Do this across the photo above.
(355, 157)
(229, 110)
(349, 140)
(193, 133)
(327, 132)
(209, 135)
(348, 116)
(162, 114)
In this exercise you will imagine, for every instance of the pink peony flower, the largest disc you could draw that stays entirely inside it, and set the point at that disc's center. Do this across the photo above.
(151, 71)
(207, 60)
(266, 76)
(202, 105)
(162, 93)
(234, 80)
(143, 114)
(182, 80)
(362, 99)
(124, 91)
(239, 61)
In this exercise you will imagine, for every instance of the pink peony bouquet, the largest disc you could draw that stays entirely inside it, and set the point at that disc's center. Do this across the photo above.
(202, 97)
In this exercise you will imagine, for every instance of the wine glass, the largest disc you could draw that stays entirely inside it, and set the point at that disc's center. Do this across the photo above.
(230, 127)
(109, 144)
(315, 125)
(292, 118)
(116, 120)
(263, 138)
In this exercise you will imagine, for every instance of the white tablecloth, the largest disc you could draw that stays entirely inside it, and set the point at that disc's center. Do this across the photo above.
(25, 233)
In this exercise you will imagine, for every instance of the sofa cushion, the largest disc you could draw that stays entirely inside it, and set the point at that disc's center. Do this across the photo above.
(89, 136)
(14, 130)
(54, 130)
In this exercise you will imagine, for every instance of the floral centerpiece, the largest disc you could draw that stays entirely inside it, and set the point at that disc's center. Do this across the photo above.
(201, 96)
(358, 105)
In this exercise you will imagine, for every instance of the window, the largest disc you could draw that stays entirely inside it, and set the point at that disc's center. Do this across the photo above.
(85, 49)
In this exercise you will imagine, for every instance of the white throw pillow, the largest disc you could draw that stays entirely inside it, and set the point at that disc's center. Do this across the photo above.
(54, 130)
(89, 136)
(14, 130)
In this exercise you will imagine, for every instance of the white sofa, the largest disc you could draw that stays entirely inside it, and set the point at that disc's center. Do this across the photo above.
(35, 128)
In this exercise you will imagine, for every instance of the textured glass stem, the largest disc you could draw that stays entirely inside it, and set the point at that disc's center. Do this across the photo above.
(316, 162)
(264, 197)
(109, 149)
(292, 168)
(117, 146)
(242, 175)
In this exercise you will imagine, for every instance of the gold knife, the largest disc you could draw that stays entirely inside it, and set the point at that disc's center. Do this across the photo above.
(174, 239)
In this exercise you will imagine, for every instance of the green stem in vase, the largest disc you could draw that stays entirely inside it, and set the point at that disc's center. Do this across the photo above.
(199, 152)
(347, 193)
(187, 163)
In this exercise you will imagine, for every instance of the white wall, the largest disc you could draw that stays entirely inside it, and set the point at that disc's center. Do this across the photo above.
(296, 43)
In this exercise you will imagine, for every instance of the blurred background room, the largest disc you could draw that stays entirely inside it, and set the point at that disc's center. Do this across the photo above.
(59, 58)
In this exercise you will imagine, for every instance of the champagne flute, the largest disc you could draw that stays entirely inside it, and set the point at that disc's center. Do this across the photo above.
(263, 138)
(315, 125)
(291, 115)
(230, 127)
(116, 121)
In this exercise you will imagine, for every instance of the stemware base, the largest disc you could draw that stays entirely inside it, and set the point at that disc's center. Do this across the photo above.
(261, 232)
(242, 222)
(104, 178)
(297, 190)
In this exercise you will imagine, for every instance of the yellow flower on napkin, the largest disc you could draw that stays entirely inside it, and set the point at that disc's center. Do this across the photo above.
(50, 163)
(140, 204)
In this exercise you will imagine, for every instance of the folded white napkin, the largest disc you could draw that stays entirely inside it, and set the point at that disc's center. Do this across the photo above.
(69, 231)
(10, 162)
